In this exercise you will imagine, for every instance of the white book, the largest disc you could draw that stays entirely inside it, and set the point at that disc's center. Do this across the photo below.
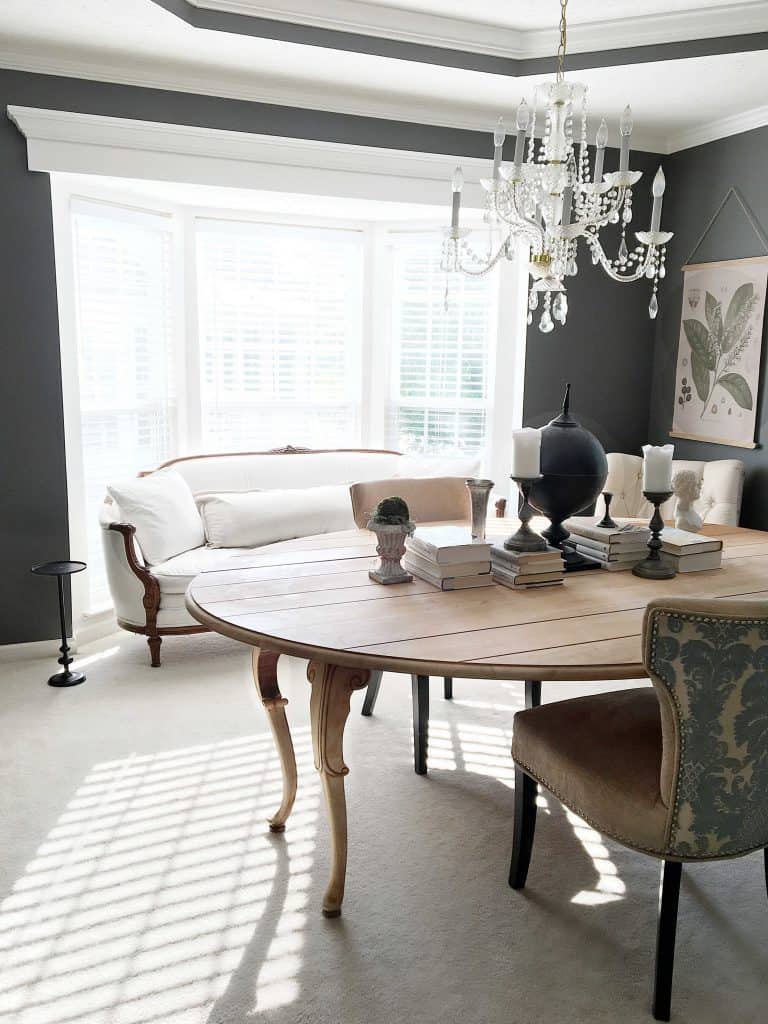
(453, 583)
(526, 579)
(696, 562)
(413, 558)
(526, 561)
(632, 557)
(624, 533)
(634, 543)
(512, 585)
(545, 565)
(447, 545)
(683, 542)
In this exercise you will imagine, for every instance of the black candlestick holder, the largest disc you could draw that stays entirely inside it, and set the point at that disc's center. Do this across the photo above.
(652, 567)
(606, 523)
(525, 539)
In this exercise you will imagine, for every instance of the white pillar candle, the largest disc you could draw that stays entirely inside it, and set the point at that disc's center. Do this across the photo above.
(657, 467)
(600, 141)
(526, 453)
(498, 144)
(457, 184)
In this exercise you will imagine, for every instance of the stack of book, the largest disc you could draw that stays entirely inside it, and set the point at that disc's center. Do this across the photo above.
(690, 552)
(526, 568)
(448, 558)
(615, 548)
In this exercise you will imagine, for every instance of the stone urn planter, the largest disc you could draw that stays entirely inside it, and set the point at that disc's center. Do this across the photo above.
(391, 523)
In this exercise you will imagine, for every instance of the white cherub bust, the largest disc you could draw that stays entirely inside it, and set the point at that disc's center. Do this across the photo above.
(687, 487)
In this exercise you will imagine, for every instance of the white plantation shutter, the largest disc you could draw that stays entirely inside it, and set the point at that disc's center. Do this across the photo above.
(280, 325)
(123, 300)
(442, 358)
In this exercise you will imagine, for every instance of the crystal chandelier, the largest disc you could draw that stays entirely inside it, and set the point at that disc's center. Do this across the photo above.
(547, 198)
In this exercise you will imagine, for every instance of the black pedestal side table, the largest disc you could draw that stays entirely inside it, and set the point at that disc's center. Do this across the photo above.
(60, 570)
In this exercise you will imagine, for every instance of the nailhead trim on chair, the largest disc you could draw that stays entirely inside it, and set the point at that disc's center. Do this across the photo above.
(675, 809)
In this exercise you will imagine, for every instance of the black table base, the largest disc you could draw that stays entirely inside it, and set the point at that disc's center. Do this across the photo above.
(60, 570)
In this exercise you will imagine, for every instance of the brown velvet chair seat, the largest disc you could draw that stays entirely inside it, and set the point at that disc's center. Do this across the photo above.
(601, 756)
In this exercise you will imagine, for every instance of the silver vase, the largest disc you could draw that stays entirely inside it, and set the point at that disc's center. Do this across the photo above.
(479, 493)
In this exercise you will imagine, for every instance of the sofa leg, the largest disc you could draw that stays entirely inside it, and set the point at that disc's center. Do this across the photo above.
(448, 688)
(154, 650)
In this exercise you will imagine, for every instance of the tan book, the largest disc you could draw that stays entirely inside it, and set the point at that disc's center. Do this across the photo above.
(511, 585)
(624, 534)
(633, 556)
(413, 559)
(696, 562)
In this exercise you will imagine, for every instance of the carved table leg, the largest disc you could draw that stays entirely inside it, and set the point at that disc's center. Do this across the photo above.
(265, 678)
(332, 687)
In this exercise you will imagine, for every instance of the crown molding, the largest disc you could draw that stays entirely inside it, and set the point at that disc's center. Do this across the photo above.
(722, 129)
(77, 143)
(395, 23)
(411, 109)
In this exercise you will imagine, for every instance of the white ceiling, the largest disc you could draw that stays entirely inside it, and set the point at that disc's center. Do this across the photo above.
(676, 103)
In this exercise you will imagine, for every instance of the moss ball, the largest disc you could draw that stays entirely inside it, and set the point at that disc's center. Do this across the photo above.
(391, 511)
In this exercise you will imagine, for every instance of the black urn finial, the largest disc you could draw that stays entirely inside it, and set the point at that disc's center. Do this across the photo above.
(567, 399)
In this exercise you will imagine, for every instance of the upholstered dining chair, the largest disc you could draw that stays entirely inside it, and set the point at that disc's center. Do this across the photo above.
(429, 500)
(678, 772)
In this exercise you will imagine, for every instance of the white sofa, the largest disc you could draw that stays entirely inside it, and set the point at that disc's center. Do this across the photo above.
(722, 486)
(149, 598)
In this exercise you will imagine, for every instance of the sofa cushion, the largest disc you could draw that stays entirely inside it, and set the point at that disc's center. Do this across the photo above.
(162, 509)
(263, 517)
(175, 574)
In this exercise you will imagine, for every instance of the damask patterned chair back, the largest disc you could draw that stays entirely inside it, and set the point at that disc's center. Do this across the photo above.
(708, 660)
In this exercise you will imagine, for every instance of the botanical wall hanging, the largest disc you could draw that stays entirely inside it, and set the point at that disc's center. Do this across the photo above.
(718, 359)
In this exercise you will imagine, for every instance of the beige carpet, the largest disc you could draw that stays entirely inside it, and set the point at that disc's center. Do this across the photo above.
(140, 883)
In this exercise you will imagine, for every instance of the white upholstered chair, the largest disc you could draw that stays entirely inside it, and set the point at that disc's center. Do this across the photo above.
(722, 485)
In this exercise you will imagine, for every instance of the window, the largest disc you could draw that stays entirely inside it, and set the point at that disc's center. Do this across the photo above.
(194, 331)
(123, 304)
(442, 348)
(280, 328)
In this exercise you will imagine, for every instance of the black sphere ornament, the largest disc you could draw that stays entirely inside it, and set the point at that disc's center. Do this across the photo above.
(573, 471)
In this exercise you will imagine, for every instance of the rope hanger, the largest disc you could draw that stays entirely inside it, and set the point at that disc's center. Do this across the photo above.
(753, 223)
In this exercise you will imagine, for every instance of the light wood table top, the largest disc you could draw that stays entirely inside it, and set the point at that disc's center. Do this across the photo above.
(312, 597)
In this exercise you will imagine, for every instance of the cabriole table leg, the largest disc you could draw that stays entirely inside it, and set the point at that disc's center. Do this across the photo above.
(332, 687)
(265, 678)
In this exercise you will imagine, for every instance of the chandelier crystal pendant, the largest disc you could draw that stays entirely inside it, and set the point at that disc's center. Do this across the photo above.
(547, 198)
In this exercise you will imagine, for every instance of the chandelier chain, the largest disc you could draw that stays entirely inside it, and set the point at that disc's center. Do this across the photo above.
(563, 42)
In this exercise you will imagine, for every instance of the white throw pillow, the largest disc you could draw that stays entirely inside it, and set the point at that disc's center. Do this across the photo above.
(261, 517)
(162, 509)
(438, 465)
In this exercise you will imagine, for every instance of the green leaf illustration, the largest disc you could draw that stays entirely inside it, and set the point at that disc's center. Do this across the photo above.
(700, 372)
(698, 337)
(711, 306)
(737, 306)
(738, 388)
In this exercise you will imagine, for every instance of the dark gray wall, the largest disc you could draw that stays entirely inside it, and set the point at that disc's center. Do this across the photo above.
(606, 326)
(697, 181)
(606, 347)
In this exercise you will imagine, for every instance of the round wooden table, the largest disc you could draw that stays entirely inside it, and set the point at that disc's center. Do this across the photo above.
(312, 597)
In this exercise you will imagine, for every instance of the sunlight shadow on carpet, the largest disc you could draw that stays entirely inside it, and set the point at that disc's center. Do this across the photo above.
(152, 890)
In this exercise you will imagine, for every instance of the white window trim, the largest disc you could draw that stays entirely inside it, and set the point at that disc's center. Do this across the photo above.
(505, 375)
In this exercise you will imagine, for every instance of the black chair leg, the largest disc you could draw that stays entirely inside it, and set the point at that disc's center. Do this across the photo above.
(525, 826)
(371, 693)
(420, 691)
(448, 688)
(669, 897)
(532, 693)
(765, 856)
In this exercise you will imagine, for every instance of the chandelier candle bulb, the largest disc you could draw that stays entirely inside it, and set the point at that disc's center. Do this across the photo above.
(498, 145)
(625, 129)
(526, 453)
(659, 184)
(457, 183)
(601, 140)
(523, 118)
(657, 467)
